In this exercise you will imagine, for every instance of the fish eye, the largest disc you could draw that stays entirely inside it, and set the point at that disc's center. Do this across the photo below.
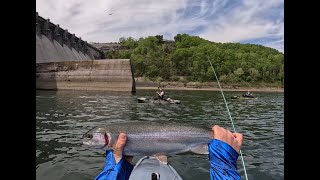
(89, 136)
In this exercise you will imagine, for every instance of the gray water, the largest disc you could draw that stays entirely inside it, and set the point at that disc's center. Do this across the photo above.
(62, 118)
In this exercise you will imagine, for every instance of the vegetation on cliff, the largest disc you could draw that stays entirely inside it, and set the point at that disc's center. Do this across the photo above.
(186, 59)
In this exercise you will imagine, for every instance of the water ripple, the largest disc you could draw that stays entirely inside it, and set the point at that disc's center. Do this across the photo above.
(62, 118)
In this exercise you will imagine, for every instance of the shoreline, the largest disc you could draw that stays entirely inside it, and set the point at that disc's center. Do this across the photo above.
(206, 86)
(242, 89)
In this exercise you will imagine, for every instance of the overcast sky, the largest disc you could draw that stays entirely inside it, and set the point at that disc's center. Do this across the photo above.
(244, 21)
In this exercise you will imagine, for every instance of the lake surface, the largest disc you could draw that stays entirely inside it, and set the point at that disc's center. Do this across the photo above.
(62, 118)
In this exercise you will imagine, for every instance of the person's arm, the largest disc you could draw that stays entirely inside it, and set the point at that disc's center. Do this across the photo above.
(117, 167)
(223, 154)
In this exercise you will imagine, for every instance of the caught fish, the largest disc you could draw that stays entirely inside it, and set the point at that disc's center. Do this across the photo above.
(149, 138)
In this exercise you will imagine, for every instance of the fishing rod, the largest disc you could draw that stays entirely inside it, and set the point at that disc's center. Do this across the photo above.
(244, 167)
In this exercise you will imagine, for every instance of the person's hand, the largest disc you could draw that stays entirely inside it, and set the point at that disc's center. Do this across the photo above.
(233, 139)
(118, 149)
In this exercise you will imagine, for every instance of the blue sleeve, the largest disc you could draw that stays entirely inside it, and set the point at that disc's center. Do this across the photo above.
(113, 171)
(223, 161)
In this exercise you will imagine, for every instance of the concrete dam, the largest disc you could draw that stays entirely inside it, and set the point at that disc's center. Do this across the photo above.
(64, 61)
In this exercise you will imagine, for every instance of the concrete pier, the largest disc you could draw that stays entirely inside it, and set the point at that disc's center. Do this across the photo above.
(107, 74)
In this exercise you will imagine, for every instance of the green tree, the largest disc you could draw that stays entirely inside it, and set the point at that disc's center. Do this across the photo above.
(187, 57)
(254, 74)
(238, 73)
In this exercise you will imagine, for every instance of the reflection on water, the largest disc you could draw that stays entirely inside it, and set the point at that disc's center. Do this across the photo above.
(64, 116)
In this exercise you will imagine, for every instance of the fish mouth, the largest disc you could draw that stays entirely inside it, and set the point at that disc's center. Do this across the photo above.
(107, 138)
(97, 139)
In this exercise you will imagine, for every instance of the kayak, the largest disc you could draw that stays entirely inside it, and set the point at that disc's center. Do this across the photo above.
(248, 96)
(158, 101)
(242, 97)
(149, 167)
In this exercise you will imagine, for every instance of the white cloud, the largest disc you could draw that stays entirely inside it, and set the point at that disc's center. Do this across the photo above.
(247, 22)
(91, 21)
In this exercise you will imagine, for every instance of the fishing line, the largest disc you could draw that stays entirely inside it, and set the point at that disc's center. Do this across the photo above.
(244, 167)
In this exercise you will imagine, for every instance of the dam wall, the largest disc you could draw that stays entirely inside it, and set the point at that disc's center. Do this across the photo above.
(64, 61)
(54, 44)
(106, 74)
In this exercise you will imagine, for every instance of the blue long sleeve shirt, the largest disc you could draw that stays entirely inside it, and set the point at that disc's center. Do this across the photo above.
(113, 170)
(223, 161)
(223, 164)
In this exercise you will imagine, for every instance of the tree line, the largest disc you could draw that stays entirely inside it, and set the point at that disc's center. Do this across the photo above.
(186, 57)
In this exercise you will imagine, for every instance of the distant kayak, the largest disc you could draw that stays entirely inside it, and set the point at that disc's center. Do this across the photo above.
(243, 97)
(158, 101)
(248, 96)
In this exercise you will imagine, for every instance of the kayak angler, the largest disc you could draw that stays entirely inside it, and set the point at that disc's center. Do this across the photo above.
(223, 148)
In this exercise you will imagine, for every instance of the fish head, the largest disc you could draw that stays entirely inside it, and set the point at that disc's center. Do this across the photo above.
(97, 138)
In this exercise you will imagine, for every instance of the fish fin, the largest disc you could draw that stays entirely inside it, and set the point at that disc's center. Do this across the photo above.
(162, 158)
(200, 149)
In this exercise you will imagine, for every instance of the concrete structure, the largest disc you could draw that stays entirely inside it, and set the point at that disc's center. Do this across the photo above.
(107, 74)
(64, 61)
(54, 44)
(105, 47)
